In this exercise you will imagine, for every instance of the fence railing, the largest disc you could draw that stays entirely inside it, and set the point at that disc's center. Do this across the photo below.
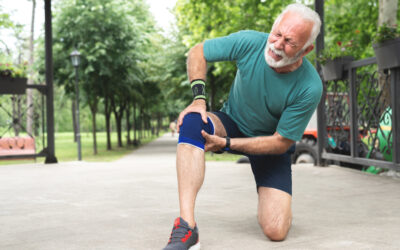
(16, 141)
(359, 117)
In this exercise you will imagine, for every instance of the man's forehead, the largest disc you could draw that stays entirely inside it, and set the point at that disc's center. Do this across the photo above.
(295, 22)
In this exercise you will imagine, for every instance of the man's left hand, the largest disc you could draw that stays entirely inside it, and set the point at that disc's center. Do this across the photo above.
(213, 142)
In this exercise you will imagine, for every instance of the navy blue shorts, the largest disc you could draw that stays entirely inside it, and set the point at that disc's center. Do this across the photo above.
(273, 171)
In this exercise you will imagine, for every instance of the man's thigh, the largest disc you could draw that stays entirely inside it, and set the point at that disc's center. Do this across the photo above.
(225, 126)
(274, 212)
(219, 128)
(273, 171)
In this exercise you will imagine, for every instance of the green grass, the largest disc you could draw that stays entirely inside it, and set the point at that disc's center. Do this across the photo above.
(66, 148)
(221, 157)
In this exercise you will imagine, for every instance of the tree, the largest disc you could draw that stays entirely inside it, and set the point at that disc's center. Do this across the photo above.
(388, 12)
(29, 92)
(108, 34)
(387, 16)
(5, 23)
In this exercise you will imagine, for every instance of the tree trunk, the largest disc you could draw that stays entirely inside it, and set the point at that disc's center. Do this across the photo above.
(145, 125)
(118, 114)
(93, 110)
(159, 119)
(148, 125)
(388, 12)
(135, 141)
(118, 120)
(128, 126)
(29, 93)
(151, 127)
(387, 15)
(107, 112)
(141, 124)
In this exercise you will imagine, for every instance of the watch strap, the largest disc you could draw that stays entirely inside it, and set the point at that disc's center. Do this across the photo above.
(228, 143)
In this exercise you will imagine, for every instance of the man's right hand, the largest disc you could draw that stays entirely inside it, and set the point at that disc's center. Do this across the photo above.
(197, 106)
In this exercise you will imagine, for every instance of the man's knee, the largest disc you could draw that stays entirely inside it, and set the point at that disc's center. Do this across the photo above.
(275, 230)
(190, 130)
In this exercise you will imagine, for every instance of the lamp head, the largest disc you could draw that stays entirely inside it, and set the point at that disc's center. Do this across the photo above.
(75, 58)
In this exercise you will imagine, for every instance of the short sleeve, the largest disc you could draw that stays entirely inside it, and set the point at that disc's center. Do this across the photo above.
(295, 118)
(230, 48)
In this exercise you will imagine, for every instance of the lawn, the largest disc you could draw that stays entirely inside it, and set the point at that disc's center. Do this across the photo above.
(66, 149)
(222, 157)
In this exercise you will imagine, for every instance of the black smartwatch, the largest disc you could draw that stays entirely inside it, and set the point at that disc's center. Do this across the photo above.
(228, 143)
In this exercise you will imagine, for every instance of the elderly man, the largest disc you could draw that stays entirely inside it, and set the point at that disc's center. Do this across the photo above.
(272, 98)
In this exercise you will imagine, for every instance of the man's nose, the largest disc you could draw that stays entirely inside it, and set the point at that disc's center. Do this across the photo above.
(279, 44)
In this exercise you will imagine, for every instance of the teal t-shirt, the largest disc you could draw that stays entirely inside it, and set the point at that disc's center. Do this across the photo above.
(262, 101)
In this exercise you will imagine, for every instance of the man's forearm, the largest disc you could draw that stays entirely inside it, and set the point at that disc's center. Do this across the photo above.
(196, 63)
(274, 144)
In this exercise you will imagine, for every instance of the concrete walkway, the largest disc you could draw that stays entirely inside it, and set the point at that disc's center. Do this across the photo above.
(131, 204)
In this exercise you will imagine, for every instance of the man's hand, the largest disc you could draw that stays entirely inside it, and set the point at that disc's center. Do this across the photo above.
(213, 142)
(197, 106)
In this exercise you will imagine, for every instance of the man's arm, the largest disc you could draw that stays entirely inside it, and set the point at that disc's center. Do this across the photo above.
(274, 144)
(196, 69)
(196, 63)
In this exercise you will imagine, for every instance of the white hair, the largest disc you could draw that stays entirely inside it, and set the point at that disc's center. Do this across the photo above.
(307, 14)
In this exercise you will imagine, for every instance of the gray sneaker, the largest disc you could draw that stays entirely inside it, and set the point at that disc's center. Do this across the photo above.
(183, 237)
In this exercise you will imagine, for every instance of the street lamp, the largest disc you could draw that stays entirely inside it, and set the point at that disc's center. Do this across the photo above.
(75, 59)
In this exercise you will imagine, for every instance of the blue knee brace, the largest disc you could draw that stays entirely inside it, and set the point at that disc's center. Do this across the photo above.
(190, 130)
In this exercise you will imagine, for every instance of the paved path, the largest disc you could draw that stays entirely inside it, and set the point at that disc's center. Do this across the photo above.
(131, 204)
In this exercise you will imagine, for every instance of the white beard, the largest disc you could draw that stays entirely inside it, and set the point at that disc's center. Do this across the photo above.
(285, 61)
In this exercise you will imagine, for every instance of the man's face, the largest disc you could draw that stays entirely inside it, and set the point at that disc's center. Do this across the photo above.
(287, 39)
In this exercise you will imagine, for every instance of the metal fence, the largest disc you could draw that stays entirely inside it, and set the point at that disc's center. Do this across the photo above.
(16, 140)
(46, 91)
(359, 117)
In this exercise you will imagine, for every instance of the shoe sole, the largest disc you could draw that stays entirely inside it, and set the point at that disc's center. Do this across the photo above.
(195, 247)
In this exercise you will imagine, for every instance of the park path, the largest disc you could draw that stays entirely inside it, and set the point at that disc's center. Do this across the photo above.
(131, 204)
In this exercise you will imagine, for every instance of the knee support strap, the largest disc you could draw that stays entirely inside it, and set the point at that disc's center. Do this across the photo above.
(190, 130)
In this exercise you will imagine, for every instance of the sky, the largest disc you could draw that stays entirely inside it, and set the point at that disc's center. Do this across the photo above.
(21, 12)
(161, 10)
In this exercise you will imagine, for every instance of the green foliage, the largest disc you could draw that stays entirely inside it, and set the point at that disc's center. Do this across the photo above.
(111, 36)
(343, 20)
(200, 20)
(169, 72)
(105, 34)
(8, 69)
(5, 21)
(386, 33)
(207, 19)
(340, 49)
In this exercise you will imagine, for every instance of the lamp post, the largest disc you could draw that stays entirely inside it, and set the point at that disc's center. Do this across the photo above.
(75, 58)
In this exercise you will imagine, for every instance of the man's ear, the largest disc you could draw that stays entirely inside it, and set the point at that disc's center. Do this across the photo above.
(308, 49)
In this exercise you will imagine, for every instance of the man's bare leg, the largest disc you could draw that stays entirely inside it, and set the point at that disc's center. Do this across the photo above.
(190, 165)
(274, 212)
